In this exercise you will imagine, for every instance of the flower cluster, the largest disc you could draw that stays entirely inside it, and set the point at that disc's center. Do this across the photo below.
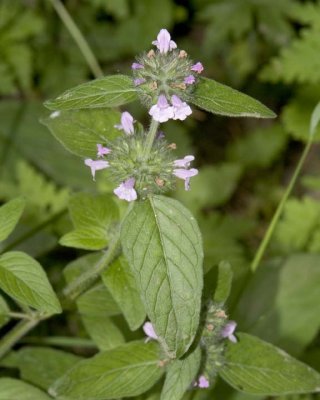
(165, 78)
(135, 174)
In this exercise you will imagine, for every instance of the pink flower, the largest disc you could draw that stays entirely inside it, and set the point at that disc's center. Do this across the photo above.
(180, 109)
(184, 162)
(185, 174)
(149, 331)
(137, 66)
(126, 123)
(138, 81)
(198, 67)
(203, 382)
(102, 150)
(164, 42)
(228, 330)
(161, 111)
(96, 165)
(189, 80)
(126, 191)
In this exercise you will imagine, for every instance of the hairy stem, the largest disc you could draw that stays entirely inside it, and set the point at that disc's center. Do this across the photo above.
(150, 137)
(266, 239)
(16, 333)
(78, 38)
(75, 288)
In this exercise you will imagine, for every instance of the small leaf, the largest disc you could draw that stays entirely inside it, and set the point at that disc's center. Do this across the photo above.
(23, 278)
(10, 214)
(162, 243)
(14, 389)
(42, 366)
(221, 99)
(224, 283)
(121, 283)
(257, 367)
(315, 118)
(127, 370)
(81, 131)
(110, 91)
(92, 217)
(180, 375)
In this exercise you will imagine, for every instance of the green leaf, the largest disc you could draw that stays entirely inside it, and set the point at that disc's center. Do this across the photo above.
(221, 99)
(162, 243)
(281, 303)
(10, 214)
(4, 309)
(224, 283)
(14, 389)
(81, 131)
(42, 366)
(23, 278)
(93, 217)
(180, 375)
(121, 283)
(257, 367)
(110, 91)
(127, 370)
(315, 118)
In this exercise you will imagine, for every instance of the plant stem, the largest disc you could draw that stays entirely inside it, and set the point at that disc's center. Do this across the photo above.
(12, 337)
(35, 230)
(266, 239)
(78, 38)
(60, 341)
(85, 280)
(150, 137)
(19, 315)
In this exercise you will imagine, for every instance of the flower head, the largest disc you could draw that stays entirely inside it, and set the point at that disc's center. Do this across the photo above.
(184, 162)
(228, 331)
(126, 191)
(185, 174)
(126, 123)
(96, 165)
(203, 382)
(198, 67)
(180, 109)
(164, 42)
(162, 111)
(149, 331)
(102, 151)
(137, 66)
(189, 80)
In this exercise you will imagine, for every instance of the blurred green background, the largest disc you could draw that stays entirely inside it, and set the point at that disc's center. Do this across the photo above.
(268, 49)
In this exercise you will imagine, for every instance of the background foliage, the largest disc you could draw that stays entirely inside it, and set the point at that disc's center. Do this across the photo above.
(268, 49)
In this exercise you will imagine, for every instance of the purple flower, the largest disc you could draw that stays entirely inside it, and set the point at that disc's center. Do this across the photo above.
(180, 109)
(189, 80)
(126, 123)
(164, 42)
(198, 67)
(228, 330)
(184, 162)
(96, 165)
(137, 66)
(126, 191)
(161, 111)
(185, 174)
(138, 81)
(203, 382)
(149, 331)
(102, 151)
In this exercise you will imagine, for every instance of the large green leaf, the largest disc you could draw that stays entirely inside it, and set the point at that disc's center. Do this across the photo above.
(92, 217)
(281, 302)
(127, 370)
(257, 367)
(14, 389)
(9, 216)
(163, 245)
(180, 375)
(42, 366)
(121, 283)
(110, 91)
(80, 131)
(221, 99)
(23, 278)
